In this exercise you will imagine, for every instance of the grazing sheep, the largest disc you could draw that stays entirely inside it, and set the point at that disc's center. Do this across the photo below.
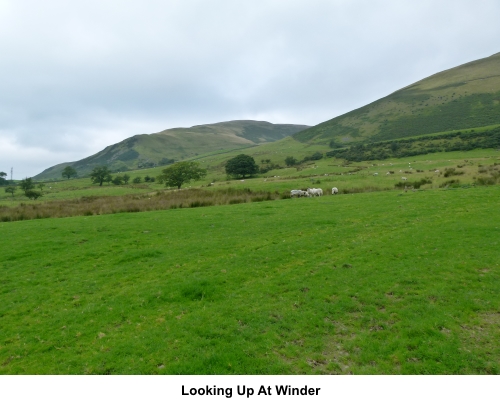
(315, 192)
(299, 193)
(335, 190)
(404, 178)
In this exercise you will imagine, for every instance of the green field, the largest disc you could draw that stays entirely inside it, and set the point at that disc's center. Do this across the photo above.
(325, 173)
(397, 274)
(370, 283)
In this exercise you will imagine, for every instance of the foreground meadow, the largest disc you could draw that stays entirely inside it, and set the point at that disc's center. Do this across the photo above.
(371, 283)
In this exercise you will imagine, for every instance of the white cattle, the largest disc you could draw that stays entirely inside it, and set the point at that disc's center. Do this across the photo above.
(335, 190)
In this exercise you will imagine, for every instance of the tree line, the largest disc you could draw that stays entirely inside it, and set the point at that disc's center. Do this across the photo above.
(456, 141)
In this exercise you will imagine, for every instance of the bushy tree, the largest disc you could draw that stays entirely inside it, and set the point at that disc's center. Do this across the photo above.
(33, 194)
(290, 161)
(27, 184)
(241, 165)
(126, 178)
(10, 189)
(136, 180)
(68, 172)
(3, 181)
(181, 172)
(117, 181)
(100, 174)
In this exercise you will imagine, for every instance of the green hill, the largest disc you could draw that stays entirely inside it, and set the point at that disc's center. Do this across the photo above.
(467, 96)
(142, 151)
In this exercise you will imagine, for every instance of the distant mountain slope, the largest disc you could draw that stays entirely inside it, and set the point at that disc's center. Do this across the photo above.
(466, 96)
(177, 144)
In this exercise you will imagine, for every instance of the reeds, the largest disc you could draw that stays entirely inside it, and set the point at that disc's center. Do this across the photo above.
(161, 200)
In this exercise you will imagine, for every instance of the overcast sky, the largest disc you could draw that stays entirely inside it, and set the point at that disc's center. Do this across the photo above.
(77, 76)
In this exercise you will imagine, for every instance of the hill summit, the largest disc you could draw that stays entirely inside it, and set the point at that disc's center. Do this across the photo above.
(149, 150)
(467, 96)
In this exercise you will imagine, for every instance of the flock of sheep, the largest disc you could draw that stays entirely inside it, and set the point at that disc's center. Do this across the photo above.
(311, 192)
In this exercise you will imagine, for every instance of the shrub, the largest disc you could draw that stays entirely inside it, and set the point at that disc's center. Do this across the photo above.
(448, 183)
(451, 171)
(33, 195)
(485, 181)
(117, 181)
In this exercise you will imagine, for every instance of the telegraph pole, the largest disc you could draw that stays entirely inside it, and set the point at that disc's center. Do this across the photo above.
(11, 173)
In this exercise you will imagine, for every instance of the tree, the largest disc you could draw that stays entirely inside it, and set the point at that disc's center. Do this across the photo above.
(126, 178)
(41, 186)
(241, 165)
(100, 174)
(290, 161)
(69, 172)
(136, 180)
(3, 181)
(117, 181)
(33, 194)
(26, 184)
(181, 172)
(10, 189)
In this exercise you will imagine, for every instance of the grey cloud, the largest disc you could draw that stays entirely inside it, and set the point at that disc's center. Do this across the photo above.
(82, 75)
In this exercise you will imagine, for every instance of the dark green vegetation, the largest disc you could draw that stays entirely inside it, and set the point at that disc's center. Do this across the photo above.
(69, 172)
(100, 174)
(456, 141)
(180, 173)
(28, 186)
(162, 148)
(3, 179)
(467, 96)
(241, 166)
(365, 283)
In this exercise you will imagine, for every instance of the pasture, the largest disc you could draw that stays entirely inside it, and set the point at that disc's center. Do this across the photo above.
(325, 173)
(369, 283)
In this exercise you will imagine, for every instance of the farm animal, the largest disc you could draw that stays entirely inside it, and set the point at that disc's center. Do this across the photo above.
(335, 190)
(299, 193)
(315, 192)
(375, 174)
(404, 178)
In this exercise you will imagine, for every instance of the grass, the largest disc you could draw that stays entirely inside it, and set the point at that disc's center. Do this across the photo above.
(87, 206)
(463, 97)
(373, 283)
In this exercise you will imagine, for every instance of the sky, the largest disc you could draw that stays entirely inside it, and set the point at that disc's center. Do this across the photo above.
(77, 76)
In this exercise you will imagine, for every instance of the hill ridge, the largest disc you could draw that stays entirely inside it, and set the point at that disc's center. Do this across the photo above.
(466, 96)
(166, 146)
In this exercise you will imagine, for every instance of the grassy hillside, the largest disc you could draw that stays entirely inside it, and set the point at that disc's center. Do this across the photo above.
(177, 144)
(464, 97)
(374, 283)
